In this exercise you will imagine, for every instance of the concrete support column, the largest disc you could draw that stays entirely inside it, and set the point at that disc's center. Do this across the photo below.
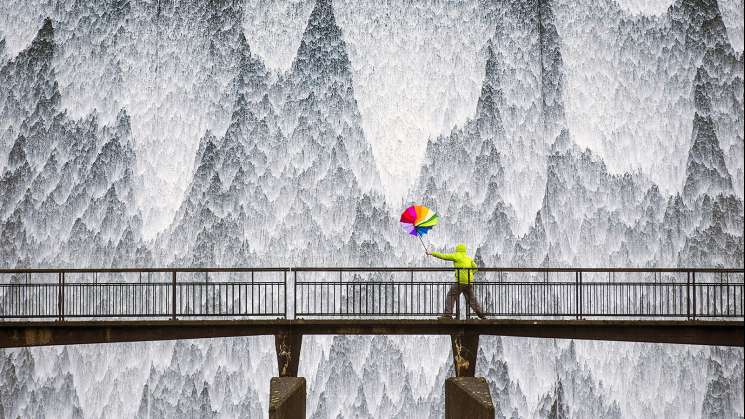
(288, 346)
(287, 398)
(465, 349)
(466, 396)
(287, 393)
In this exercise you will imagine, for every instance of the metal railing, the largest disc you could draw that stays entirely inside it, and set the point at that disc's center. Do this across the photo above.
(522, 292)
(354, 293)
(143, 293)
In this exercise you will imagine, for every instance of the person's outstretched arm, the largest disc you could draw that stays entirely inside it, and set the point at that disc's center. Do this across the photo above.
(443, 256)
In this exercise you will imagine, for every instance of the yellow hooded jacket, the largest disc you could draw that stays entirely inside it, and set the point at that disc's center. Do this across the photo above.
(460, 260)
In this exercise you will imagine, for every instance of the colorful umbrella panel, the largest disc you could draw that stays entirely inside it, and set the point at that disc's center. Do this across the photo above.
(417, 220)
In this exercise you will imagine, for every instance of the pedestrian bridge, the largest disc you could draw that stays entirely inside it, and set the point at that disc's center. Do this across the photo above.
(41, 307)
(74, 306)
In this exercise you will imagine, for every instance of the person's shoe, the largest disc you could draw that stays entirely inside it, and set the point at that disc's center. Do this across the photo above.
(445, 317)
(483, 317)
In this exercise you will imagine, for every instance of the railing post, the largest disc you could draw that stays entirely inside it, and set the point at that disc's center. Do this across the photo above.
(469, 272)
(694, 294)
(173, 295)
(294, 297)
(457, 300)
(411, 294)
(576, 295)
(688, 295)
(287, 311)
(581, 297)
(60, 296)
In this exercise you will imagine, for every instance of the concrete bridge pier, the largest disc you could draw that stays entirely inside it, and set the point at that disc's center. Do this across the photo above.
(287, 393)
(467, 396)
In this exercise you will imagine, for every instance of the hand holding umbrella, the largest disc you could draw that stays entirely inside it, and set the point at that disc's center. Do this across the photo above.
(417, 220)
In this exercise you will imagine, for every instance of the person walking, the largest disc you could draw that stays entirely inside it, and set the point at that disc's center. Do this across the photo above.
(464, 270)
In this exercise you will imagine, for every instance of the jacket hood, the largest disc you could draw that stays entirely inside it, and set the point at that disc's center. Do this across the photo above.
(460, 248)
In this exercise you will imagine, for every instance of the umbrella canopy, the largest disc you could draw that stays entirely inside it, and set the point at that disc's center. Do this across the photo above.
(417, 220)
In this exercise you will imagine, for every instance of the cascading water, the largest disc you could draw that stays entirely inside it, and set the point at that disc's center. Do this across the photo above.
(547, 133)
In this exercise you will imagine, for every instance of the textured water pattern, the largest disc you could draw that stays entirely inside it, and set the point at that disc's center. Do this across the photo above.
(544, 133)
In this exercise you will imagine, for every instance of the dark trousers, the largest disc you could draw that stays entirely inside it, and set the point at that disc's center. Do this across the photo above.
(454, 294)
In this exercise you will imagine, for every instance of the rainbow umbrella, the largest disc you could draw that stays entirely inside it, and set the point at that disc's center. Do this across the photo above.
(417, 220)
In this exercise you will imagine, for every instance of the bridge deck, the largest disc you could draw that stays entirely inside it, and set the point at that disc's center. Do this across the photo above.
(42, 333)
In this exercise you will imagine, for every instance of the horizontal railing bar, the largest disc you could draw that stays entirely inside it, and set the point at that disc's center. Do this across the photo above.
(408, 315)
(540, 283)
(366, 269)
(85, 284)
(135, 270)
(506, 269)
(266, 314)
(337, 282)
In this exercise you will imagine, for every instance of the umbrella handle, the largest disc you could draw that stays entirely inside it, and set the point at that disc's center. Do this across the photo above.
(422, 241)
